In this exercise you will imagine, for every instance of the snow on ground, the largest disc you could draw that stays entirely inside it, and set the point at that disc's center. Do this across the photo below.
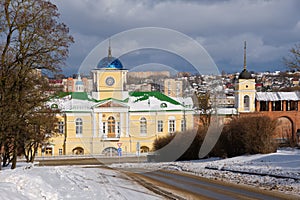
(276, 171)
(68, 182)
(77, 182)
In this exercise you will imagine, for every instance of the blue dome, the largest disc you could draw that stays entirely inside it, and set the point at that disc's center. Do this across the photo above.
(110, 63)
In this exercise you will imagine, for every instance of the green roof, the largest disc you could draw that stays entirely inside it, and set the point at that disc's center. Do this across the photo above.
(76, 95)
(62, 94)
(145, 95)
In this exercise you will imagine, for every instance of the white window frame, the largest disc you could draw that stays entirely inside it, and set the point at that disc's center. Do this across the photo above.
(143, 126)
(61, 127)
(79, 126)
(160, 126)
(172, 125)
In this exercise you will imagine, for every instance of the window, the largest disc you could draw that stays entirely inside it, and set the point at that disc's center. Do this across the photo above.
(111, 125)
(171, 126)
(103, 127)
(78, 124)
(54, 106)
(264, 105)
(291, 105)
(160, 126)
(60, 152)
(178, 89)
(277, 106)
(163, 105)
(118, 129)
(143, 126)
(183, 125)
(78, 151)
(246, 103)
(61, 127)
(48, 151)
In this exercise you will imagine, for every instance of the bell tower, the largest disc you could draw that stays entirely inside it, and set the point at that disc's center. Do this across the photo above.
(109, 78)
(245, 89)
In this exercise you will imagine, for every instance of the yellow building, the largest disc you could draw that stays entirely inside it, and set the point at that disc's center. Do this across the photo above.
(108, 117)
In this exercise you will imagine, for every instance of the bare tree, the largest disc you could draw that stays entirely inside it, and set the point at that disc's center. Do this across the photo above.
(293, 60)
(32, 39)
(201, 102)
(41, 126)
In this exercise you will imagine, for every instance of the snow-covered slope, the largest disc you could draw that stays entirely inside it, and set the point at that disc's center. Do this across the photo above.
(68, 182)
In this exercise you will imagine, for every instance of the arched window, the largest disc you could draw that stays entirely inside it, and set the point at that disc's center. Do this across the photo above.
(143, 126)
(78, 151)
(246, 103)
(111, 125)
(78, 123)
(110, 151)
(144, 149)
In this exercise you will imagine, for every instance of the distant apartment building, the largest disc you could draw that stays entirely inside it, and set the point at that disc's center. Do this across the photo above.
(173, 88)
(222, 101)
(72, 85)
(146, 87)
(183, 74)
(148, 74)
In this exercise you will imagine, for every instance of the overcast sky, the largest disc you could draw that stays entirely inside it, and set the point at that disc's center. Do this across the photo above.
(270, 28)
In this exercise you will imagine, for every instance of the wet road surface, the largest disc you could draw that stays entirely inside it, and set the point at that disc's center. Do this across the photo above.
(194, 187)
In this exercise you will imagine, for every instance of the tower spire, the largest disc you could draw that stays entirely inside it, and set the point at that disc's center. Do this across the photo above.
(245, 61)
(109, 49)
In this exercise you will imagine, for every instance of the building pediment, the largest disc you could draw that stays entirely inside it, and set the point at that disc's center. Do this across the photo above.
(111, 103)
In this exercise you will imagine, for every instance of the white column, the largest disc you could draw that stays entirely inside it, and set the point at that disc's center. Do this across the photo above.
(127, 124)
(121, 124)
(94, 123)
(100, 125)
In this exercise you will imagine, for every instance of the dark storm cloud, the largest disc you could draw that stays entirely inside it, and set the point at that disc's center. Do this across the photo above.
(270, 27)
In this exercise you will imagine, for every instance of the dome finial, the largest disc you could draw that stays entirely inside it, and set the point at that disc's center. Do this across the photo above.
(245, 62)
(109, 49)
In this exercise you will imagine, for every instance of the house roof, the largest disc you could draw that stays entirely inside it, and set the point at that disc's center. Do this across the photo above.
(141, 96)
(111, 102)
(277, 96)
(153, 101)
(137, 102)
(76, 95)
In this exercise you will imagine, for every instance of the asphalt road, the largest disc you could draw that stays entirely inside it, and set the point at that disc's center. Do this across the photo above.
(194, 187)
(177, 185)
